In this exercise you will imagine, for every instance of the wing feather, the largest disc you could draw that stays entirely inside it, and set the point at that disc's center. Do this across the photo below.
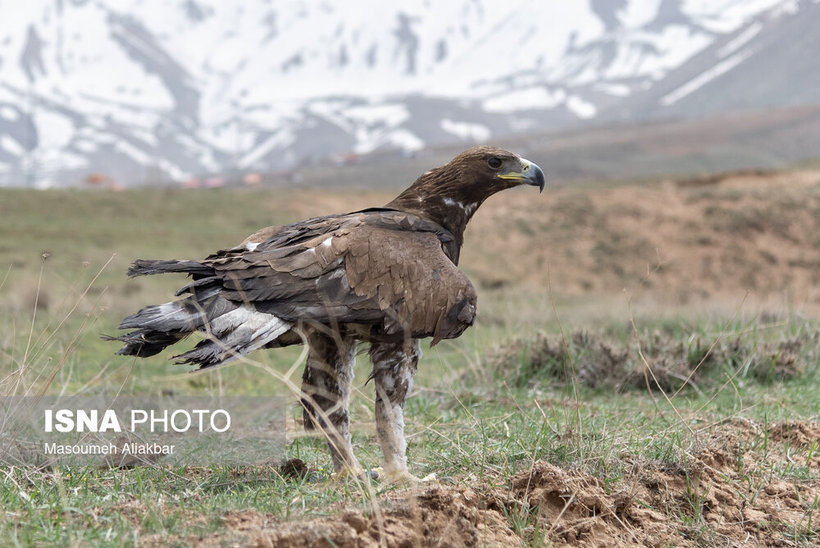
(385, 268)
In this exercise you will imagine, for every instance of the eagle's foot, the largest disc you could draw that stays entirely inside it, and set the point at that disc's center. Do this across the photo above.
(348, 473)
(403, 478)
(355, 474)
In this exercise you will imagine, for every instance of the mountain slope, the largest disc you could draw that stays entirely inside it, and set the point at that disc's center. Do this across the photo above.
(766, 63)
(143, 90)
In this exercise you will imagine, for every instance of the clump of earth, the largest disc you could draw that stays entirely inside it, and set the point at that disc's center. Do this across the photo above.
(742, 484)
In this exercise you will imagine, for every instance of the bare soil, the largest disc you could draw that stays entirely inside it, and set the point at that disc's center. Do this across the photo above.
(726, 491)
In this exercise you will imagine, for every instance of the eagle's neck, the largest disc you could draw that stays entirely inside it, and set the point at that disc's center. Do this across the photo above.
(445, 196)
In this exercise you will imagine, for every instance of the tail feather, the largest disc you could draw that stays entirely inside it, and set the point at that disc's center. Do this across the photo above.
(173, 316)
(228, 342)
(145, 267)
(144, 342)
(232, 329)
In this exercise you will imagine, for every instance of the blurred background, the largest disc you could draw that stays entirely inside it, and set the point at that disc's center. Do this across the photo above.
(210, 93)
(680, 138)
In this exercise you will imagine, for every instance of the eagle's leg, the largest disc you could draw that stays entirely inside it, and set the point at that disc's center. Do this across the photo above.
(326, 385)
(394, 366)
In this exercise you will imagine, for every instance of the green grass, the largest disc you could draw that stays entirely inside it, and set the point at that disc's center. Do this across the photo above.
(481, 434)
(485, 407)
(460, 435)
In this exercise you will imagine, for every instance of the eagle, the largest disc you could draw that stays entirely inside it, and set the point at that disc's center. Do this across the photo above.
(385, 276)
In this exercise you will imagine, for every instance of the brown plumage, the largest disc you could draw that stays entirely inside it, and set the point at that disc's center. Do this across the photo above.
(387, 276)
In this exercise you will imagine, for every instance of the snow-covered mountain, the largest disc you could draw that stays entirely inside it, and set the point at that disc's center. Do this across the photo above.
(140, 90)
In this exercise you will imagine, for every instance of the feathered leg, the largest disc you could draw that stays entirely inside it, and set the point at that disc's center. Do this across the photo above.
(326, 386)
(394, 366)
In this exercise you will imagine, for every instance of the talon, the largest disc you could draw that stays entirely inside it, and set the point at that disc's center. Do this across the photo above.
(402, 477)
(346, 474)
(430, 477)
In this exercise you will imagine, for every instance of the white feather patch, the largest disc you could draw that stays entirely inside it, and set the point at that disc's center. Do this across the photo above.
(259, 328)
(468, 208)
(272, 329)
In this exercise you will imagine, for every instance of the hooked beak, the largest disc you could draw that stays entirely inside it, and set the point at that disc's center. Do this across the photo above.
(530, 174)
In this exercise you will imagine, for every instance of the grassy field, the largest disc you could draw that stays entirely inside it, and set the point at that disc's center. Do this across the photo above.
(644, 370)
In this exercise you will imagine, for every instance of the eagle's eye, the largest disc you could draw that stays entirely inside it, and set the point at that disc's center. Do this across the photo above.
(494, 162)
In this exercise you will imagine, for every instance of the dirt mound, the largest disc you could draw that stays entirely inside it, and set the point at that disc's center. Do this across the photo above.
(572, 507)
(430, 516)
(726, 493)
(739, 484)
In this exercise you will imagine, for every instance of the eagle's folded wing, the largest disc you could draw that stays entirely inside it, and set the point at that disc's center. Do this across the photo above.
(382, 268)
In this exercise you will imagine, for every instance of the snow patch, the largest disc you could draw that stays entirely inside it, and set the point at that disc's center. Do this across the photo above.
(60, 129)
(174, 171)
(332, 111)
(704, 78)
(638, 14)
(616, 90)
(725, 17)
(11, 146)
(582, 109)
(390, 115)
(132, 152)
(466, 130)
(788, 7)
(280, 139)
(400, 138)
(405, 140)
(740, 40)
(670, 48)
(8, 113)
(525, 99)
(86, 146)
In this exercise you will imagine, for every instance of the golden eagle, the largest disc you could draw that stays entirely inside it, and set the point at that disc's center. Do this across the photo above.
(386, 276)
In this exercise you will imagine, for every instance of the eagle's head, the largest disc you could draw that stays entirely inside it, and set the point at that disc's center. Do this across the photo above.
(450, 194)
(487, 170)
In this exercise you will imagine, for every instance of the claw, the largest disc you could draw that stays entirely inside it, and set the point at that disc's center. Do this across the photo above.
(401, 477)
(405, 478)
(392, 477)
(347, 474)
